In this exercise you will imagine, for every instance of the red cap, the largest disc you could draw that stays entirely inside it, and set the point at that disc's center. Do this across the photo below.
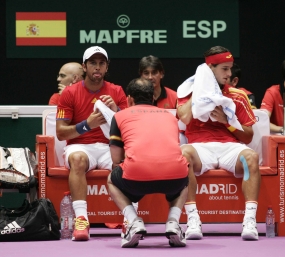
(67, 193)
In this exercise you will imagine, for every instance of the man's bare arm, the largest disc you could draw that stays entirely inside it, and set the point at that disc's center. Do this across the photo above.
(184, 112)
(244, 136)
(65, 131)
(273, 128)
(117, 154)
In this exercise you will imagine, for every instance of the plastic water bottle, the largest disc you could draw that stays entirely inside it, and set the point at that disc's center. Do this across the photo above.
(66, 216)
(270, 222)
(73, 213)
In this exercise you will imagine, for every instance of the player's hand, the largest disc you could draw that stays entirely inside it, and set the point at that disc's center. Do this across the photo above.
(219, 115)
(60, 88)
(109, 102)
(95, 119)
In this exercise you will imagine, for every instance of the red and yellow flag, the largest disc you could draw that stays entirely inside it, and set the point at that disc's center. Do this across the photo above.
(40, 28)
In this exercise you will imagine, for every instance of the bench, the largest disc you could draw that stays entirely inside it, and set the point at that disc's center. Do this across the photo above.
(219, 194)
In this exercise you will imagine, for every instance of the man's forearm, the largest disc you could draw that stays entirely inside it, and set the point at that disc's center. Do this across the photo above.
(184, 112)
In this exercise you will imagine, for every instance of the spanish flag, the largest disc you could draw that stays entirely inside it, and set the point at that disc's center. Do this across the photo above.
(40, 28)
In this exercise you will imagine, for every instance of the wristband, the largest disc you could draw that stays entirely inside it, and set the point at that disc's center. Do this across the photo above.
(230, 128)
(82, 127)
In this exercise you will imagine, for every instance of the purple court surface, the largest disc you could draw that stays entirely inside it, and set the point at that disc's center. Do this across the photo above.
(220, 240)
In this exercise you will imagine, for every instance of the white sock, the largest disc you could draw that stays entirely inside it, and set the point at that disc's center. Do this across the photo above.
(174, 213)
(191, 210)
(130, 213)
(136, 206)
(250, 209)
(80, 208)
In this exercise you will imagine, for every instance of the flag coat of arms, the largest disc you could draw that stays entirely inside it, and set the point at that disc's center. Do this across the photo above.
(40, 28)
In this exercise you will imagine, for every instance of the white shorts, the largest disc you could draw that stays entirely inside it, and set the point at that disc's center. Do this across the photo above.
(99, 155)
(215, 155)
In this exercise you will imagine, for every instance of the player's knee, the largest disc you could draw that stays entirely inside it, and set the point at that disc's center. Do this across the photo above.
(187, 152)
(252, 159)
(78, 162)
(250, 163)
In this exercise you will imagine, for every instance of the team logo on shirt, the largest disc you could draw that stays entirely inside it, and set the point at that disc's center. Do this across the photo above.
(94, 100)
(60, 114)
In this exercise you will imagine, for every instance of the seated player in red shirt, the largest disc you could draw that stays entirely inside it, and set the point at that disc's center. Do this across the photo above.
(77, 123)
(216, 144)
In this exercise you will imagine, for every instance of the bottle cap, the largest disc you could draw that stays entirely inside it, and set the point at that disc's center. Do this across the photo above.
(67, 193)
(270, 206)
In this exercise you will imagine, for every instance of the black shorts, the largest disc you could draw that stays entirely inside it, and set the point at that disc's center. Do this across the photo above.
(136, 190)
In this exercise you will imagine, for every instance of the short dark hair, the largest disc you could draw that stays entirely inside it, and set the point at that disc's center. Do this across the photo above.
(150, 61)
(141, 90)
(216, 50)
(236, 72)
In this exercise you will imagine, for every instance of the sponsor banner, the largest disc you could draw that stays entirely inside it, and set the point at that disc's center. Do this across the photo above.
(221, 200)
(126, 29)
(97, 190)
(280, 197)
(114, 213)
(41, 150)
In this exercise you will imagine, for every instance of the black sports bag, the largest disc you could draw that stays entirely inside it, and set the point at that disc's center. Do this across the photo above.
(33, 221)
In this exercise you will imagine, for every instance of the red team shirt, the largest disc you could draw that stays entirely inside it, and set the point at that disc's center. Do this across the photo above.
(76, 103)
(148, 156)
(167, 99)
(54, 99)
(210, 131)
(273, 102)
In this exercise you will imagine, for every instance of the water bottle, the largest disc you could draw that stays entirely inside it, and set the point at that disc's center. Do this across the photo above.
(66, 216)
(270, 222)
(73, 213)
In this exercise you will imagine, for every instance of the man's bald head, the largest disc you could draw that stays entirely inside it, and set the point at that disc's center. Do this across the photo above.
(70, 73)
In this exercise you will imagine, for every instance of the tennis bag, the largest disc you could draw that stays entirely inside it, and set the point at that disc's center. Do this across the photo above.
(17, 168)
(35, 221)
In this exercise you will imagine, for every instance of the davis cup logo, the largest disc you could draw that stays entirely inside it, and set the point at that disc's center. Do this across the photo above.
(123, 21)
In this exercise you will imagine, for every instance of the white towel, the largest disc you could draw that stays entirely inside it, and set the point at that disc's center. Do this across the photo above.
(186, 88)
(207, 95)
(108, 115)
